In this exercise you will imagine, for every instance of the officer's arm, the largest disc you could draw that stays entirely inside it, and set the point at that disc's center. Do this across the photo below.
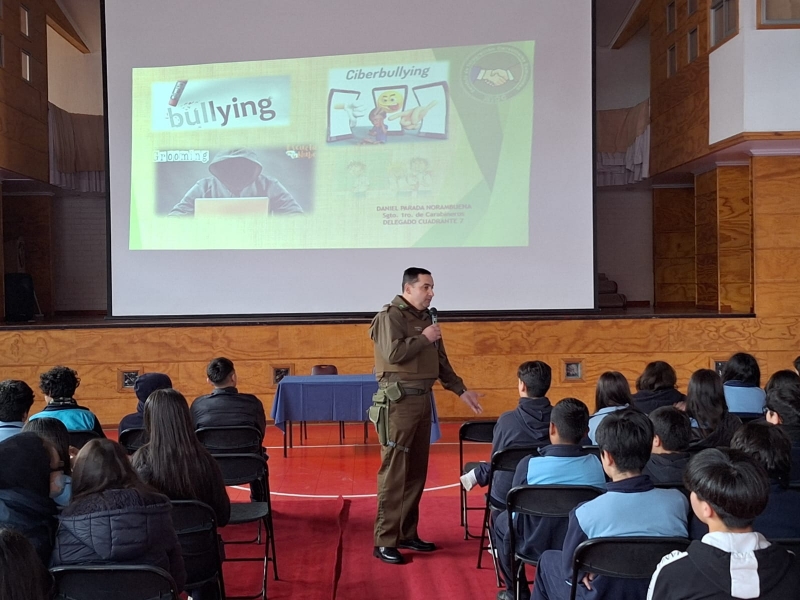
(447, 375)
(390, 340)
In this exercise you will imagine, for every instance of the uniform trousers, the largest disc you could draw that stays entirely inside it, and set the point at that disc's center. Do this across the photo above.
(404, 468)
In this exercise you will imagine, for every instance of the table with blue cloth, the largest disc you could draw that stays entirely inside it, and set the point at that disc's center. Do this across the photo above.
(321, 398)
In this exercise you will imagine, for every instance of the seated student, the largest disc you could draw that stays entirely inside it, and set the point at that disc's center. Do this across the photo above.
(728, 491)
(59, 385)
(712, 424)
(114, 518)
(55, 433)
(630, 507)
(771, 448)
(781, 378)
(526, 425)
(225, 406)
(145, 384)
(29, 473)
(612, 393)
(22, 574)
(563, 462)
(783, 409)
(741, 378)
(16, 399)
(672, 435)
(655, 387)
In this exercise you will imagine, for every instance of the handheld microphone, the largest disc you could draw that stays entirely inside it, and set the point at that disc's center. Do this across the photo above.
(434, 320)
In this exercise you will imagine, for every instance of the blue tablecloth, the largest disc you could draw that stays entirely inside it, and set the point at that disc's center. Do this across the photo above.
(330, 398)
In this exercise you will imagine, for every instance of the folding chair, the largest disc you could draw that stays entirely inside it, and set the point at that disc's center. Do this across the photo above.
(552, 501)
(480, 432)
(238, 469)
(133, 439)
(504, 460)
(196, 526)
(592, 449)
(121, 582)
(624, 557)
(80, 438)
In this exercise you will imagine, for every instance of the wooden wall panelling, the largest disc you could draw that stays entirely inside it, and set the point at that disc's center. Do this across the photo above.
(2, 259)
(673, 246)
(735, 235)
(706, 240)
(776, 244)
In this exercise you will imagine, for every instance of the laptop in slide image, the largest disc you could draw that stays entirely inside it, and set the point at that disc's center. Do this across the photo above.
(231, 207)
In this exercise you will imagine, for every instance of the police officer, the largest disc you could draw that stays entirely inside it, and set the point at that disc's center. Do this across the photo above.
(409, 358)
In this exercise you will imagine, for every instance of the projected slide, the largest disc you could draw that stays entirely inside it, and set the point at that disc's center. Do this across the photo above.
(420, 148)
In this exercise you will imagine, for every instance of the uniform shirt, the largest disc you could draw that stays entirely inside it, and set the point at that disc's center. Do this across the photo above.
(74, 417)
(9, 428)
(597, 418)
(744, 399)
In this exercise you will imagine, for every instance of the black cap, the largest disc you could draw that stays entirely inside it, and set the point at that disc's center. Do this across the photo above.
(147, 383)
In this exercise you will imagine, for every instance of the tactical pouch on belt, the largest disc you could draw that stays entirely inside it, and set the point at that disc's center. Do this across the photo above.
(378, 413)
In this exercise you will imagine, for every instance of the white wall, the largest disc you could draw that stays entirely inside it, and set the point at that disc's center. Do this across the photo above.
(79, 253)
(624, 230)
(623, 76)
(74, 79)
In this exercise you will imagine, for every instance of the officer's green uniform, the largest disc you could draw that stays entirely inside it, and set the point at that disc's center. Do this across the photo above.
(403, 355)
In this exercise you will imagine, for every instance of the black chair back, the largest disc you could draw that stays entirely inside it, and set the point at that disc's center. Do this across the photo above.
(324, 370)
(133, 439)
(243, 439)
(623, 557)
(508, 459)
(592, 449)
(238, 469)
(121, 582)
(791, 544)
(80, 438)
(196, 526)
(549, 500)
(477, 431)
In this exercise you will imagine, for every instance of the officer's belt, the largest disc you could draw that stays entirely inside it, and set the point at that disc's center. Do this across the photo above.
(413, 392)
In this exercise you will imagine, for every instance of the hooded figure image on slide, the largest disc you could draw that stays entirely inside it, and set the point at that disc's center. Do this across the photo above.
(238, 174)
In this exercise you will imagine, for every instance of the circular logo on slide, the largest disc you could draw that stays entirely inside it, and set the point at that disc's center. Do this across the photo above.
(496, 73)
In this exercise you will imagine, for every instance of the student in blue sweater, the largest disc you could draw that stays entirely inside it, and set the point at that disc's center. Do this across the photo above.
(630, 507)
(563, 462)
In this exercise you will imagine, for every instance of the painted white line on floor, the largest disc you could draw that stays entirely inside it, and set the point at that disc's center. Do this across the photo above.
(352, 446)
(284, 494)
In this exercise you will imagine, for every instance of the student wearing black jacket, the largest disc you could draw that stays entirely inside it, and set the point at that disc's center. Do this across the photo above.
(145, 384)
(655, 387)
(672, 434)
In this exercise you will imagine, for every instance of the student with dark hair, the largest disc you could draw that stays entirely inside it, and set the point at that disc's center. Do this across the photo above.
(527, 425)
(145, 384)
(55, 433)
(672, 435)
(781, 378)
(632, 506)
(29, 469)
(612, 393)
(741, 378)
(655, 387)
(771, 448)
(783, 409)
(22, 574)
(712, 424)
(115, 518)
(16, 399)
(563, 462)
(728, 491)
(226, 406)
(58, 386)
(173, 461)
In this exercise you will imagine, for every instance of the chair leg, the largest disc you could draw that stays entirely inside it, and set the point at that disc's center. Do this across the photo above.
(366, 433)
(481, 546)
(341, 432)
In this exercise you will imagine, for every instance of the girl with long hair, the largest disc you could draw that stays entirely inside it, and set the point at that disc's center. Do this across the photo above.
(612, 393)
(712, 424)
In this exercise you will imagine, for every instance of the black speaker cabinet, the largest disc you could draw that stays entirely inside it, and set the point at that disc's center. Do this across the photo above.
(20, 301)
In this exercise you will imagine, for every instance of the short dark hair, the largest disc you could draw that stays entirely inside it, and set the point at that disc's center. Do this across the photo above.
(705, 400)
(411, 275)
(56, 433)
(59, 382)
(612, 390)
(796, 364)
(16, 399)
(627, 435)
(785, 400)
(536, 375)
(781, 378)
(742, 367)
(735, 486)
(570, 417)
(673, 427)
(219, 370)
(769, 446)
(657, 375)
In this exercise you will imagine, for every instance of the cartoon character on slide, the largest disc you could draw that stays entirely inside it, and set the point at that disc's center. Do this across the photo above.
(237, 173)
(411, 119)
(378, 133)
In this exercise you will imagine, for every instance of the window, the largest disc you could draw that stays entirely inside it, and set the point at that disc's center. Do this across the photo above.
(780, 12)
(26, 66)
(691, 6)
(724, 20)
(24, 21)
(671, 17)
(694, 44)
(672, 61)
